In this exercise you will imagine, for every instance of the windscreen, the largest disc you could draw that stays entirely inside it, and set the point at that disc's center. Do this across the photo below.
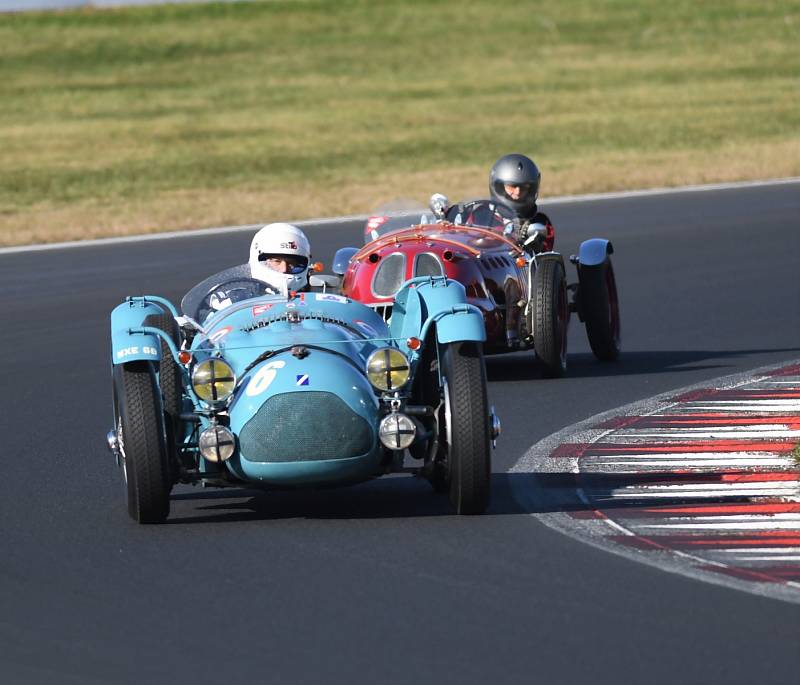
(481, 213)
(377, 226)
(221, 290)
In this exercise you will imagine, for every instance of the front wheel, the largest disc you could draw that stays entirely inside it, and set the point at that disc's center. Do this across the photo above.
(140, 432)
(600, 309)
(465, 418)
(170, 381)
(550, 316)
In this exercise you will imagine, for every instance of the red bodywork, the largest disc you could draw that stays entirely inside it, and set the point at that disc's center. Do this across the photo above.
(491, 268)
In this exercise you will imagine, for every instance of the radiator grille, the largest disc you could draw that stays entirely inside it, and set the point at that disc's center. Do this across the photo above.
(304, 426)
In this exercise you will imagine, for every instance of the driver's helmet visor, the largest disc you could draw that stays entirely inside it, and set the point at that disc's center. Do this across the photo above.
(284, 263)
(517, 191)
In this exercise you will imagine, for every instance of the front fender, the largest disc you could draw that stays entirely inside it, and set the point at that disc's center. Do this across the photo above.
(436, 301)
(594, 252)
(129, 346)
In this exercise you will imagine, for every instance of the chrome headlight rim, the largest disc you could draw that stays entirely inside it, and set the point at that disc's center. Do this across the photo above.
(397, 431)
(216, 443)
(388, 369)
(213, 380)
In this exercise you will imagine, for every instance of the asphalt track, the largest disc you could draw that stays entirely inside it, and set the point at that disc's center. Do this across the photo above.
(379, 583)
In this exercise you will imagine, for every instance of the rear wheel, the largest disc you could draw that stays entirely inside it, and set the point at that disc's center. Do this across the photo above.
(140, 432)
(600, 309)
(550, 316)
(466, 439)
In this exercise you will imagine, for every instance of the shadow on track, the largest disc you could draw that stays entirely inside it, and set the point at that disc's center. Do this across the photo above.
(406, 498)
(520, 366)
(400, 497)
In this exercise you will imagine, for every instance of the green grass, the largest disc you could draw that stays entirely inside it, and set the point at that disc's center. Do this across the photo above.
(141, 112)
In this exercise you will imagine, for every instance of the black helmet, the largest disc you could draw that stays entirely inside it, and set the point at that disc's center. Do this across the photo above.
(516, 170)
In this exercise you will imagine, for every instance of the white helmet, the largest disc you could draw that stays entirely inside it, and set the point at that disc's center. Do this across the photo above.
(286, 243)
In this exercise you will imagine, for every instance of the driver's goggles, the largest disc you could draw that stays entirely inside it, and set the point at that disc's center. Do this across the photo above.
(294, 263)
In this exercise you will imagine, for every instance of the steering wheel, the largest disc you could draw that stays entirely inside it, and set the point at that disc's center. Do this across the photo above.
(483, 214)
(230, 291)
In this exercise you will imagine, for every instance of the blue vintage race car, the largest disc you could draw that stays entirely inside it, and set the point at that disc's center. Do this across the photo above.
(310, 389)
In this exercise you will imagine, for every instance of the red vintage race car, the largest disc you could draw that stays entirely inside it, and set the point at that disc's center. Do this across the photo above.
(519, 285)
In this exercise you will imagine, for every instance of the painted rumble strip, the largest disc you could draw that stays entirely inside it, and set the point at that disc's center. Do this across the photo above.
(701, 482)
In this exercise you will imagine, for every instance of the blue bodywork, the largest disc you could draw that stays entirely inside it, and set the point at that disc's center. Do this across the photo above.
(594, 251)
(303, 411)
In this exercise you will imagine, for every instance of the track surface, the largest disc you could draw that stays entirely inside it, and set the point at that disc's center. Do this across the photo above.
(378, 583)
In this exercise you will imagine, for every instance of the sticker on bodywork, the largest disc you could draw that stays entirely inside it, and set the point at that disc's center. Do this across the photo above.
(128, 351)
(261, 308)
(302, 379)
(327, 297)
(216, 336)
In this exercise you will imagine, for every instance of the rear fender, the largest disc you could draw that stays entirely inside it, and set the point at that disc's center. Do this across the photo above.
(130, 340)
(594, 252)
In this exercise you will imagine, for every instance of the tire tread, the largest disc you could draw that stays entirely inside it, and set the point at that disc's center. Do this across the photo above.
(470, 478)
(143, 440)
(549, 282)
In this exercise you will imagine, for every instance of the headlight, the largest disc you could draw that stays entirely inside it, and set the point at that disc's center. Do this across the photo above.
(397, 431)
(388, 368)
(213, 380)
(216, 443)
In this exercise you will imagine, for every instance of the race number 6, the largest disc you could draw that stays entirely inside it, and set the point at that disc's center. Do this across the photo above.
(262, 379)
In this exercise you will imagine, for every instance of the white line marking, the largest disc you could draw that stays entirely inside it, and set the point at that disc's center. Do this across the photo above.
(732, 555)
(671, 191)
(711, 464)
(723, 491)
(757, 406)
(564, 199)
(751, 559)
(721, 433)
(751, 525)
(732, 518)
(648, 456)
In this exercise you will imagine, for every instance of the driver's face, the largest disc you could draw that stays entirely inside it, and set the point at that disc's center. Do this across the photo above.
(284, 264)
(279, 264)
(516, 192)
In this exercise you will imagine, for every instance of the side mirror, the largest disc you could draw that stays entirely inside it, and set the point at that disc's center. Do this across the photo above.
(537, 233)
(342, 258)
(439, 204)
(324, 281)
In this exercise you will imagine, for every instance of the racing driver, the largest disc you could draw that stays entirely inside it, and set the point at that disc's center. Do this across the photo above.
(279, 256)
(514, 182)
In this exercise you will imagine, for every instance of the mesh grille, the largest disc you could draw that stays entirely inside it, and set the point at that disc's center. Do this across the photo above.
(304, 426)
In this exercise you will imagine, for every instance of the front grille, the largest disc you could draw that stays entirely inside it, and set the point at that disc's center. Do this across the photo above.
(304, 426)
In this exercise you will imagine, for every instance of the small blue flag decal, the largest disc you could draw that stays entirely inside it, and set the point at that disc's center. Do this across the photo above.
(302, 379)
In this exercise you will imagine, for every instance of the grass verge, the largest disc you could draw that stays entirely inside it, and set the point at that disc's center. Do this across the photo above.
(156, 118)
